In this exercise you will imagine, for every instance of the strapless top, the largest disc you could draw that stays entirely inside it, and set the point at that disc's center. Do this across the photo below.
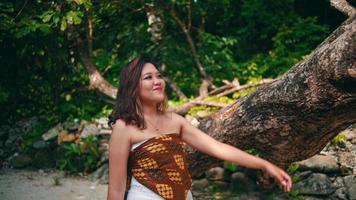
(158, 169)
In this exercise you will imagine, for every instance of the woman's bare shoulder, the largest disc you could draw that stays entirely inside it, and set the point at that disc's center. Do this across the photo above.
(175, 118)
(121, 129)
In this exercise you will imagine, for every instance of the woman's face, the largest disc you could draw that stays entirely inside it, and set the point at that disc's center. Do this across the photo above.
(152, 85)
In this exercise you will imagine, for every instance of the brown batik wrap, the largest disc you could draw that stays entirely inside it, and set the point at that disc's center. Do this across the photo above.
(160, 164)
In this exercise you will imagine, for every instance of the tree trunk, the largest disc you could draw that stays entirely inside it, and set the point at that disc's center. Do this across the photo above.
(295, 116)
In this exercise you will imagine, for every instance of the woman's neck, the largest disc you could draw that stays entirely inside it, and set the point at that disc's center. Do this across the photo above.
(150, 111)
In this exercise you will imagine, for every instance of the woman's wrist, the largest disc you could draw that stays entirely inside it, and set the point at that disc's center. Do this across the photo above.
(264, 165)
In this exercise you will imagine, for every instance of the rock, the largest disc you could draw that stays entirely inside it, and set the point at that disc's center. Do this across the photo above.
(347, 159)
(346, 170)
(105, 132)
(350, 134)
(216, 174)
(11, 141)
(353, 141)
(338, 182)
(218, 185)
(103, 121)
(320, 163)
(40, 144)
(315, 184)
(21, 161)
(350, 184)
(250, 196)
(53, 132)
(240, 182)
(65, 137)
(200, 184)
(2, 154)
(89, 129)
(73, 128)
(44, 160)
(101, 175)
(314, 198)
(304, 175)
(340, 194)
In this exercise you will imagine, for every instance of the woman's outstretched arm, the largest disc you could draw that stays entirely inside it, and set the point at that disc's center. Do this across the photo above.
(208, 145)
(119, 147)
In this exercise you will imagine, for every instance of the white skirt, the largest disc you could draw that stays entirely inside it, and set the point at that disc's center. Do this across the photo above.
(140, 192)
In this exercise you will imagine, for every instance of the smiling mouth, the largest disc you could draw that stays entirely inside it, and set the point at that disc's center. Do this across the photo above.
(157, 89)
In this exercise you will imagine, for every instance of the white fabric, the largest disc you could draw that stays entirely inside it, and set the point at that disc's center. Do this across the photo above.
(140, 192)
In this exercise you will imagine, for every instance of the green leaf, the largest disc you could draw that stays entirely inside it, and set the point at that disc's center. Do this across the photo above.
(45, 28)
(63, 25)
(46, 17)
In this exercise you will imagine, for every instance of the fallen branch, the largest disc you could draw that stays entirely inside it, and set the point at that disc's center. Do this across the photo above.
(184, 108)
(243, 87)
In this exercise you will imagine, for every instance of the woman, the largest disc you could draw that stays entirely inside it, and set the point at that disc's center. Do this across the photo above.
(146, 158)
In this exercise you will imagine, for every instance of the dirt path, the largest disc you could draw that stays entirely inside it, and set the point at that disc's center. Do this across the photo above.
(39, 185)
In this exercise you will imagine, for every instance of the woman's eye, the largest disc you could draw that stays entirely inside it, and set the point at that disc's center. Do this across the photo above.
(159, 76)
(147, 77)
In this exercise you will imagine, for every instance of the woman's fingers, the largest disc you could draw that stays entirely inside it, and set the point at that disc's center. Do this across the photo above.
(284, 180)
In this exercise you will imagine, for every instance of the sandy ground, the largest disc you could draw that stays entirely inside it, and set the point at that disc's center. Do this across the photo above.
(54, 185)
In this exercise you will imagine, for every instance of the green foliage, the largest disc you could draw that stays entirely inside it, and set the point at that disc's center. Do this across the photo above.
(290, 44)
(222, 99)
(173, 103)
(218, 56)
(231, 166)
(292, 169)
(4, 95)
(294, 194)
(204, 110)
(42, 73)
(339, 140)
(243, 93)
(256, 152)
(80, 157)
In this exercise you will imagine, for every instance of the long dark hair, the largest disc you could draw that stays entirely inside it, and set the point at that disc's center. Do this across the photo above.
(128, 106)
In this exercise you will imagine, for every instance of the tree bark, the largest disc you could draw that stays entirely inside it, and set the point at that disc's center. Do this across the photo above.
(343, 6)
(296, 115)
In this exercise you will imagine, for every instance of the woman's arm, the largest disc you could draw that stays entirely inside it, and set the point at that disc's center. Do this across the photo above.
(208, 145)
(119, 147)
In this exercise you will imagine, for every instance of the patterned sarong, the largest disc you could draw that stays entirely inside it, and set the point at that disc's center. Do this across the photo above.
(160, 164)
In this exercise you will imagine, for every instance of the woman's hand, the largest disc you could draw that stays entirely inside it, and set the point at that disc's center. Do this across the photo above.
(282, 178)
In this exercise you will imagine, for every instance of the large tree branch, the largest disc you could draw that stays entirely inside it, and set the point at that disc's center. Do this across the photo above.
(295, 116)
(96, 80)
(343, 6)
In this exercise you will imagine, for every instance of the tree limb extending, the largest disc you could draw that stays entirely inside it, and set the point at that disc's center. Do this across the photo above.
(295, 116)
(343, 6)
